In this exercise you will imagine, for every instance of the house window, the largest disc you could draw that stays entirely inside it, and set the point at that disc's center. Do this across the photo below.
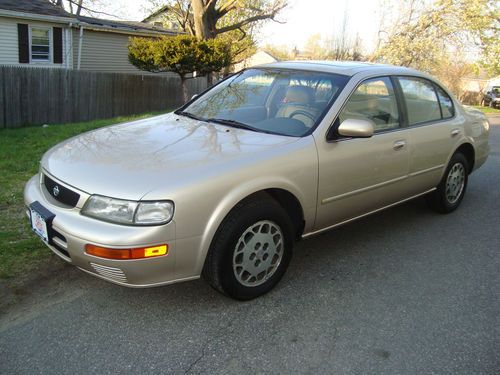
(40, 44)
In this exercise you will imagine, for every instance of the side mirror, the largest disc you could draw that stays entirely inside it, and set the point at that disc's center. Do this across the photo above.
(194, 96)
(356, 128)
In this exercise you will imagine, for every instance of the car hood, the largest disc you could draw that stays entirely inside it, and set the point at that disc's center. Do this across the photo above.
(130, 159)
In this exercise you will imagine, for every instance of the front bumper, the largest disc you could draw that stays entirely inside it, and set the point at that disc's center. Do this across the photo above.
(72, 231)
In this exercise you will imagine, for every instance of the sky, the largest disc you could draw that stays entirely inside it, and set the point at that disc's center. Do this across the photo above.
(302, 18)
(308, 17)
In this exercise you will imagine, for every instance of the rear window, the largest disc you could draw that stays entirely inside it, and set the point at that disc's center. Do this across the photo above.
(421, 101)
(447, 108)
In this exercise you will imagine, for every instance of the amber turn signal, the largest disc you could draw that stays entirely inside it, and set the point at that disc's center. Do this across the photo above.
(133, 253)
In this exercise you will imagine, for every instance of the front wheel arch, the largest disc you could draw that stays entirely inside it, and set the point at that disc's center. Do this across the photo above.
(217, 269)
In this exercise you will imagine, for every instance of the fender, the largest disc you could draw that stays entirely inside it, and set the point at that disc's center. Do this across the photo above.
(236, 195)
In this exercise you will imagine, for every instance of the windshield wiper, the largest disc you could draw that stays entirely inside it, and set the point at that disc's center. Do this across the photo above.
(235, 124)
(190, 115)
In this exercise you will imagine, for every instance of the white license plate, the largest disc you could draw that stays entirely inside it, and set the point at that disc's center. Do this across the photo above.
(39, 225)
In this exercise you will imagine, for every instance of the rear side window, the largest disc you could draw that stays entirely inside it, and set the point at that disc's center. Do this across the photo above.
(374, 99)
(421, 101)
(446, 103)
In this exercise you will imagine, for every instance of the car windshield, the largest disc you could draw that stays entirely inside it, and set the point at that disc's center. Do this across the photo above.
(285, 102)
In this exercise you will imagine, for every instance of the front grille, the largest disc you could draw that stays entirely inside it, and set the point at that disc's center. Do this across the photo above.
(60, 193)
(109, 272)
(53, 233)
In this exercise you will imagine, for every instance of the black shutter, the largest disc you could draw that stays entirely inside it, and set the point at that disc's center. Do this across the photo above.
(57, 38)
(24, 44)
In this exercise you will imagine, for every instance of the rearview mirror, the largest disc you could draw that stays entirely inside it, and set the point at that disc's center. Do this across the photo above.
(356, 128)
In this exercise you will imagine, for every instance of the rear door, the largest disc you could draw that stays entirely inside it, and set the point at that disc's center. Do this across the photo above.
(433, 131)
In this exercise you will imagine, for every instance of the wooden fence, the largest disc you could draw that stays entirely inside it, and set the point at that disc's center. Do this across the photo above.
(33, 96)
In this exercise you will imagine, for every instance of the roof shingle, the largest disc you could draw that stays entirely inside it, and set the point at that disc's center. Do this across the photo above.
(34, 6)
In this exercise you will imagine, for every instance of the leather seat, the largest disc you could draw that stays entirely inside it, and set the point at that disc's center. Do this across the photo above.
(298, 103)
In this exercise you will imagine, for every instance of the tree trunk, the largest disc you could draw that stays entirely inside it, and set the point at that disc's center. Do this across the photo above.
(200, 21)
(205, 19)
(185, 94)
(79, 7)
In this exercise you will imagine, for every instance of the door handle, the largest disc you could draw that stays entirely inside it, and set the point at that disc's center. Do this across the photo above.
(455, 132)
(398, 145)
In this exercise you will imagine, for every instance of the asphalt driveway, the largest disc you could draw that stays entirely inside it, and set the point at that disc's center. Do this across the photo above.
(405, 291)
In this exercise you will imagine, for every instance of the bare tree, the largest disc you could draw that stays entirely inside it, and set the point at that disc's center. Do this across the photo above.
(206, 19)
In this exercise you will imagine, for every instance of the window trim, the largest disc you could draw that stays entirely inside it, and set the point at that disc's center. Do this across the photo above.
(335, 123)
(436, 87)
(51, 47)
(433, 84)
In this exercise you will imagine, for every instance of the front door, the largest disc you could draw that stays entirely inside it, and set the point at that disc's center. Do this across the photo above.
(360, 175)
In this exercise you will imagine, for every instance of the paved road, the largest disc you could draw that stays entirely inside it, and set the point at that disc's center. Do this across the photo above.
(403, 292)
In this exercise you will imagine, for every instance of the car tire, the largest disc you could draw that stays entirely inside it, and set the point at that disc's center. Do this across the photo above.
(451, 190)
(251, 249)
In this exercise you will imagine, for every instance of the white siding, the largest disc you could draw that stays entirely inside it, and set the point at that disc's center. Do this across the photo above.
(9, 49)
(103, 52)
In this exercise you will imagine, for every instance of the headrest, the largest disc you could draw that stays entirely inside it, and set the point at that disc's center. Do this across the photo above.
(299, 94)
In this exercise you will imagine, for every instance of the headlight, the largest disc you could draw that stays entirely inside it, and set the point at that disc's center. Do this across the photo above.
(128, 212)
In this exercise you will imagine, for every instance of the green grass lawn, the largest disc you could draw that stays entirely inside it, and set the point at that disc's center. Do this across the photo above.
(487, 109)
(20, 153)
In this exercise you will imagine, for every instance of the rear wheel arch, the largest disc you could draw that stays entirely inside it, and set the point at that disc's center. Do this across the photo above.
(467, 150)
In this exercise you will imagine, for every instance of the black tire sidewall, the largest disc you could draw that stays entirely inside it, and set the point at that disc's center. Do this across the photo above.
(234, 228)
(446, 205)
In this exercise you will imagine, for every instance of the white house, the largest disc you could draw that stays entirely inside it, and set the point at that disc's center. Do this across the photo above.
(38, 33)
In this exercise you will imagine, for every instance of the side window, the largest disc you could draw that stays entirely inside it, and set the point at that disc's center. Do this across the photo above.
(374, 99)
(421, 100)
(446, 103)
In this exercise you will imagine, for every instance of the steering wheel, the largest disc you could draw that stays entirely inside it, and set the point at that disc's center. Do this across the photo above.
(309, 115)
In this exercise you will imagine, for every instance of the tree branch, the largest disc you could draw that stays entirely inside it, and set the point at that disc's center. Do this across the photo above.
(242, 23)
(226, 8)
(80, 7)
(209, 4)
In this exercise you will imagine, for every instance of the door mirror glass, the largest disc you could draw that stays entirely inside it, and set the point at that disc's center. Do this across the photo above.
(356, 128)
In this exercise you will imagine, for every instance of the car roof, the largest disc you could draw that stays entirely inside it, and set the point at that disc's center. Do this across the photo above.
(348, 68)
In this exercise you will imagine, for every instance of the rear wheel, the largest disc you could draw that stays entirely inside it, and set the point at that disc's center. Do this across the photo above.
(251, 249)
(451, 190)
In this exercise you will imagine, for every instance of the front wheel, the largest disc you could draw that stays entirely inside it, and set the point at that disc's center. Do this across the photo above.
(451, 190)
(251, 249)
